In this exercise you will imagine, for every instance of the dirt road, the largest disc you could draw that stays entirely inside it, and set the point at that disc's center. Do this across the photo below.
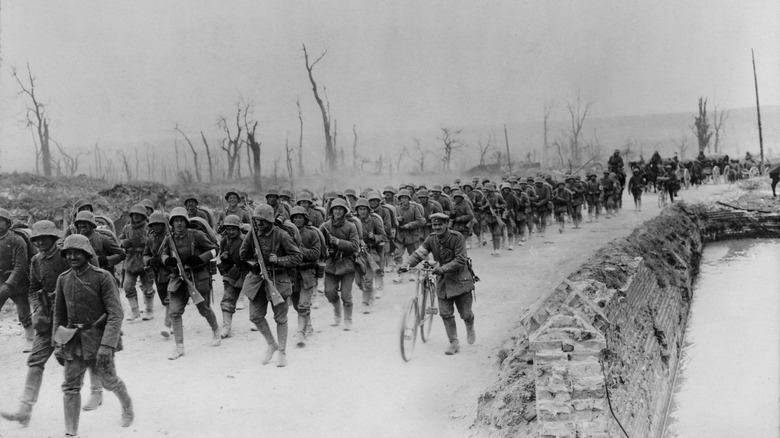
(342, 384)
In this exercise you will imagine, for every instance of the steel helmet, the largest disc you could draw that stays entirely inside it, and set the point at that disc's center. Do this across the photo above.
(232, 192)
(157, 218)
(139, 209)
(5, 214)
(404, 192)
(179, 212)
(422, 186)
(490, 187)
(506, 185)
(467, 184)
(231, 220)
(338, 202)
(273, 191)
(264, 212)
(286, 192)
(371, 196)
(147, 203)
(86, 216)
(303, 196)
(423, 194)
(457, 193)
(301, 211)
(79, 242)
(81, 204)
(362, 202)
(436, 188)
(350, 192)
(191, 197)
(45, 228)
(388, 189)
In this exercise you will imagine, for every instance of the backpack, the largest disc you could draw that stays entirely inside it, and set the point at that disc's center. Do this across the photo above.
(323, 244)
(290, 228)
(393, 218)
(25, 233)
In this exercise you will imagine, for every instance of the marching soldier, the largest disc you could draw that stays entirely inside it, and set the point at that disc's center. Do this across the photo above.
(233, 198)
(636, 185)
(522, 212)
(609, 190)
(14, 275)
(593, 197)
(561, 204)
(85, 296)
(462, 214)
(512, 206)
(429, 207)
(279, 253)
(315, 216)
(476, 199)
(281, 209)
(410, 220)
(153, 260)
(387, 214)
(542, 205)
(494, 213)
(578, 191)
(454, 283)
(343, 242)
(305, 281)
(191, 203)
(45, 267)
(232, 270)
(443, 199)
(372, 240)
(191, 250)
(133, 241)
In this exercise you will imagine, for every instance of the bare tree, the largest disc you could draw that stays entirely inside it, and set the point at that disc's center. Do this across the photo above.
(234, 143)
(498, 155)
(254, 146)
(484, 149)
(354, 147)
(719, 117)
(451, 142)
(682, 145)
(36, 117)
(701, 126)
(289, 162)
(398, 159)
(70, 162)
(300, 138)
(330, 151)
(126, 164)
(546, 126)
(558, 145)
(208, 157)
(577, 114)
(419, 154)
(194, 153)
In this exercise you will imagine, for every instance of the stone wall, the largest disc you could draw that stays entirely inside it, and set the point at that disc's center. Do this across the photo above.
(604, 344)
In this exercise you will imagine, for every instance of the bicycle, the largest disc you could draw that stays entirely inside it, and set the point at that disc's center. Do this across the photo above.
(662, 193)
(420, 310)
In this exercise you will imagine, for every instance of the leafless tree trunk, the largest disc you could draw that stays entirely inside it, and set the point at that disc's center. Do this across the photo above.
(451, 143)
(194, 153)
(682, 145)
(126, 164)
(330, 151)
(719, 117)
(234, 143)
(300, 138)
(354, 147)
(36, 117)
(276, 172)
(37, 151)
(289, 162)
(484, 149)
(420, 153)
(701, 126)
(399, 158)
(557, 144)
(208, 157)
(335, 144)
(498, 155)
(176, 150)
(70, 162)
(547, 112)
(254, 146)
(577, 114)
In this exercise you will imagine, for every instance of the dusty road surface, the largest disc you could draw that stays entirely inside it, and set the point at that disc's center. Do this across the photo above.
(342, 384)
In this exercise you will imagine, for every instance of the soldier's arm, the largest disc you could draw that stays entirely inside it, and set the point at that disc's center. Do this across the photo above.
(110, 295)
(36, 286)
(114, 253)
(311, 249)
(418, 219)
(60, 316)
(420, 253)
(208, 248)
(21, 269)
(293, 256)
(247, 250)
(457, 263)
(467, 216)
(352, 243)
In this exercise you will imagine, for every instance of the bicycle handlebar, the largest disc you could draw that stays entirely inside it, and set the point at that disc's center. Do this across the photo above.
(427, 266)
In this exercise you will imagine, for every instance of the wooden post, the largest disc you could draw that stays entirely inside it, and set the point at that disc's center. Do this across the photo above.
(758, 112)
(508, 159)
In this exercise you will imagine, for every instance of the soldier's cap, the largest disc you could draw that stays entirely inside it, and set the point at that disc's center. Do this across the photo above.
(362, 202)
(191, 198)
(404, 192)
(5, 214)
(273, 191)
(423, 194)
(157, 218)
(298, 210)
(371, 196)
(147, 203)
(179, 212)
(88, 217)
(45, 228)
(475, 179)
(232, 192)
(538, 180)
(264, 212)
(138, 209)
(350, 192)
(303, 196)
(286, 192)
(231, 220)
(439, 217)
(457, 193)
(79, 242)
(338, 202)
(436, 188)
(388, 189)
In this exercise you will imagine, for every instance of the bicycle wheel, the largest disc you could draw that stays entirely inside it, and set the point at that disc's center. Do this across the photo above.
(427, 312)
(409, 323)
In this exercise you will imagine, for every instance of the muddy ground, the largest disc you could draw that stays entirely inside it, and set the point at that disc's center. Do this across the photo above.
(342, 384)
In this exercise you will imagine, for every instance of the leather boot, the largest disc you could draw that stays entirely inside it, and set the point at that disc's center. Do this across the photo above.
(300, 334)
(336, 313)
(177, 352)
(127, 404)
(134, 313)
(149, 311)
(29, 334)
(471, 337)
(452, 335)
(281, 335)
(32, 387)
(166, 332)
(227, 325)
(216, 339)
(72, 403)
(263, 328)
(96, 392)
(309, 329)
(347, 317)
(379, 284)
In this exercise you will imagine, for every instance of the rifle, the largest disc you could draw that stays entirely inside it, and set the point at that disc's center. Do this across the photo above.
(493, 212)
(197, 298)
(271, 292)
(329, 248)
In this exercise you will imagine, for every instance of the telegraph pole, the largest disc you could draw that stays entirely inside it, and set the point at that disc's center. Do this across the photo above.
(758, 112)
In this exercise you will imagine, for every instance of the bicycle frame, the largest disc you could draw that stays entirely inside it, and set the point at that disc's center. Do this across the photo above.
(420, 310)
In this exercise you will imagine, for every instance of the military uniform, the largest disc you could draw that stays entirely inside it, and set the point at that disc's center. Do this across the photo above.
(153, 260)
(372, 241)
(133, 240)
(14, 277)
(340, 265)
(410, 221)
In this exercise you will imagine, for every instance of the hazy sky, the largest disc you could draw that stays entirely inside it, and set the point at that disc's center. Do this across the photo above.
(127, 72)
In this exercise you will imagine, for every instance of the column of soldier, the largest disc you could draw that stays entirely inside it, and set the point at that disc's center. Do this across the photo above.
(272, 254)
